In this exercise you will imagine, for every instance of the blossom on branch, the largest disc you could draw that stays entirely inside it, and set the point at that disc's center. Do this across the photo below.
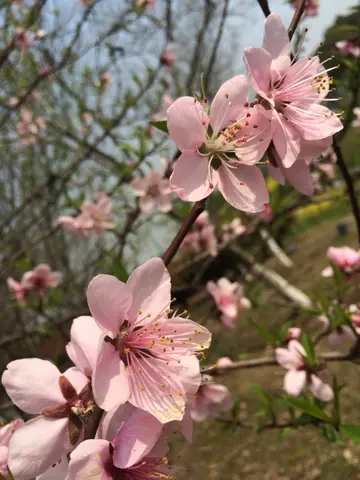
(311, 7)
(154, 191)
(62, 402)
(230, 300)
(221, 149)
(348, 46)
(144, 356)
(201, 238)
(293, 90)
(345, 258)
(233, 229)
(168, 56)
(299, 374)
(210, 400)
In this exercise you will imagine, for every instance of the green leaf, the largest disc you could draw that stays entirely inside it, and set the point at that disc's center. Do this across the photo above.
(336, 409)
(352, 431)
(235, 410)
(265, 333)
(330, 433)
(306, 405)
(259, 392)
(309, 349)
(160, 125)
(119, 270)
(285, 431)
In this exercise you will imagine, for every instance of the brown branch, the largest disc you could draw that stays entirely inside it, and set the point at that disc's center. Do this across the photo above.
(296, 18)
(349, 184)
(269, 362)
(264, 5)
(196, 210)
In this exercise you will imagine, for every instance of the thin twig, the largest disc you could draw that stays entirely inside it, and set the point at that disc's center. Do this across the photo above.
(196, 210)
(264, 5)
(349, 184)
(296, 18)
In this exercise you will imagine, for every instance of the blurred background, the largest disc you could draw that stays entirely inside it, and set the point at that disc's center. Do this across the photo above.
(80, 81)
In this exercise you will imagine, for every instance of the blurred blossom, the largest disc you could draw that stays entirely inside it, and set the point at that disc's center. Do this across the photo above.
(342, 338)
(223, 362)
(354, 310)
(95, 217)
(106, 79)
(230, 300)
(348, 46)
(233, 230)
(23, 39)
(345, 258)
(311, 7)
(356, 121)
(211, 400)
(293, 358)
(20, 292)
(87, 119)
(168, 56)
(29, 127)
(154, 192)
(6, 432)
(202, 237)
(293, 333)
(37, 280)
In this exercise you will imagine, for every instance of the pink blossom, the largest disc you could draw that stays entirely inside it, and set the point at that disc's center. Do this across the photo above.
(145, 357)
(191, 243)
(80, 225)
(29, 127)
(106, 79)
(354, 310)
(18, 2)
(346, 258)
(211, 400)
(311, 7)
(202, 238)
(223, 362)
(86, 3)
(342, 338)
(99, 213)
(82, 349)
(24, 39)
(134, 451)
(41, 278)
(233, 229)
(293, 358)
(293, 90)
(223, 155)
(21, 293)
(356, 122)
(293, 333)
(208, 240)
(6, 432)
(168, 56)
(203, 220)
(229, 300)
(61, 400)
(154, 191)
(348, 46)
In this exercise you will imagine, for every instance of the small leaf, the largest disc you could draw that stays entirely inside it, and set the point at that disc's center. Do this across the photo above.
(330, 433)
(160, 125)
(309, 349)
(259, 392)
(119, 270)
(285, 431)
(306, 405)
(235, 410)
(352, 431)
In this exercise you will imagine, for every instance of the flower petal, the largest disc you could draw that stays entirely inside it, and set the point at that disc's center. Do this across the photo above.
(89, 459)
(110, 378)
(287, 140)
(276, 173)
(258, 65)
(244, 188)
(311, 149)
(83, 346)
(136, 438)
(276, 42)
(228, 102)
(32, 384)
(192, 177)
(109, 301)
(320, 389)
(294, 382)
(150, 285)
(76, 377)
(58, 471)
(37, 445)
(187, 123)
(299, 176)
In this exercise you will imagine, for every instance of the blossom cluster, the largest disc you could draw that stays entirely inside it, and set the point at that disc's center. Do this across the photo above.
(37, 281)
(201, 238)
(221, 146)
(95, 217)
(136, 359)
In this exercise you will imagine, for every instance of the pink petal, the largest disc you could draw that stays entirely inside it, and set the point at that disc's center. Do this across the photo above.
(186, 425)
(244, 188)
(258, 67)
(54, 279)
(187, 124)
(189, 374)
(228, 102)
(186, 335)
(294, 382)
(150, 285)
(83, 346)
(32, 384)
(288, 359)
(191, 178)
(76, 377)
(146, 203)
(111, 420)
(276, 173)
(156, 388)
(56, 472)
(110, 378)
(320, 389)
(109, 301)
(36, 446)
(136, 438)
(229, 322)
(276, 42)
(89, 459)
(311, 149)
(327, 272)
(3, 461)
(299, 176)
(287, 140)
